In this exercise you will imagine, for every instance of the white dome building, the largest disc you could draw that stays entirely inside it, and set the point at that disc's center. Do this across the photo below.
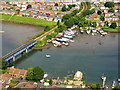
(78, 75)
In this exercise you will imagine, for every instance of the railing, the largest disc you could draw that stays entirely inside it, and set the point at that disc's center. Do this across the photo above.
(18, 49)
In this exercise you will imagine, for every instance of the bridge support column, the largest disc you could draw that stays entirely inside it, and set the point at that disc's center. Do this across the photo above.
(26, 51)
(13, 58)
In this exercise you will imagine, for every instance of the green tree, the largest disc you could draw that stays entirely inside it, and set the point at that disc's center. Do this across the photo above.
(109, 4)
(92, 11)
(117, 87)
(93, 86)
(111, 10)
(64, 8)
(14, 4)
(94, 24)
(48, 36)
(69, 23)
(70, 6)
(113, 25)
(102, 17)
(50, 81)
(47, 28)
(29, 75)
(98, 86)
(3, 65)
(58, 22)
(73, 5)
(29, 6)
(56, 4)
(38, 73)
(99, 12)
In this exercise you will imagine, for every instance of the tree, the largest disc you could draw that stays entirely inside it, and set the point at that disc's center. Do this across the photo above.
(102, 17)
(69, 23)
(111, 10)
(38, 73)
(50, 81)
(94, 24)
(29, 6)
(113, 25)
(14, 4)
(3, 65)
(29, 75)
(117, 87)
(58, 22)
(73, 5)
(70, 6)
(56, 4)
(47, 28)
(64, 8)
(99, 12)
(92, 11)
(109, 4)
(93, 86)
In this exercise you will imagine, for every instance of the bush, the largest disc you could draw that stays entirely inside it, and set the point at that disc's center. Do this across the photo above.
(113, 25)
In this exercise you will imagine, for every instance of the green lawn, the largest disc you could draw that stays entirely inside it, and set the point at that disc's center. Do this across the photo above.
(26, 20)
(13, 83)
(111, 30)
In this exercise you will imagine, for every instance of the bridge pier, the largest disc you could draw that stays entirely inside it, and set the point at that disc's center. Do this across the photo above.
(26, 51)
(13, 58)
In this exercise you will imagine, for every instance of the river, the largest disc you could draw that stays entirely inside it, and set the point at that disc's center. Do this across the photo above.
(92, 55)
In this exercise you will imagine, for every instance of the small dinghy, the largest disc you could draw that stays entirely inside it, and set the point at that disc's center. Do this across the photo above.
(48, 56)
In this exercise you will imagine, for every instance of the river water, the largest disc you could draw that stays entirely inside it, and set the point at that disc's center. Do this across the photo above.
(92, 55)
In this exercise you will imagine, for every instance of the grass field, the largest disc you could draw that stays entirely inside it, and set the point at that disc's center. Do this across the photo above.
(111, 30)
(26, 20)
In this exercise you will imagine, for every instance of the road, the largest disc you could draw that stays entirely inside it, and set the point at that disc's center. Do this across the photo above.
(21, 84)
(84, 8)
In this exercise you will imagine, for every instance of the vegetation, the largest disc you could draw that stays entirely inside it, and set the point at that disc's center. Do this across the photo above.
(113, 25)
(3, 65)
(26, 20)
(56, 4)
(102, 17)
(117, 87)
(13, 83)
(109, 4)
(95, 86)
(35, 74)
(111, 10)
(111, 30)
(99, 12)
(29, 6)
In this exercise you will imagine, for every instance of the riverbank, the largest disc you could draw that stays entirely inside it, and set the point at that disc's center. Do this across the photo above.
(116, 30)
(26, 20)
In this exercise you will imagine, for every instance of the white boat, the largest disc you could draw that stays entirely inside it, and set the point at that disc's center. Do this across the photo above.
(104, 33)
(48, 56)
(88, 31)
(65, 43)
(81, 31)
(94, 30)
(2, 31)
(113, 84)
(72, 41)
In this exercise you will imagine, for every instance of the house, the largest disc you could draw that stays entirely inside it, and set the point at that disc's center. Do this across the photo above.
(92, 16)
(116, 6)
(108, 14)
(18, 73)
(106, 10)
(29, 86)
(5, 79)
(100, 24)
(112, 18)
